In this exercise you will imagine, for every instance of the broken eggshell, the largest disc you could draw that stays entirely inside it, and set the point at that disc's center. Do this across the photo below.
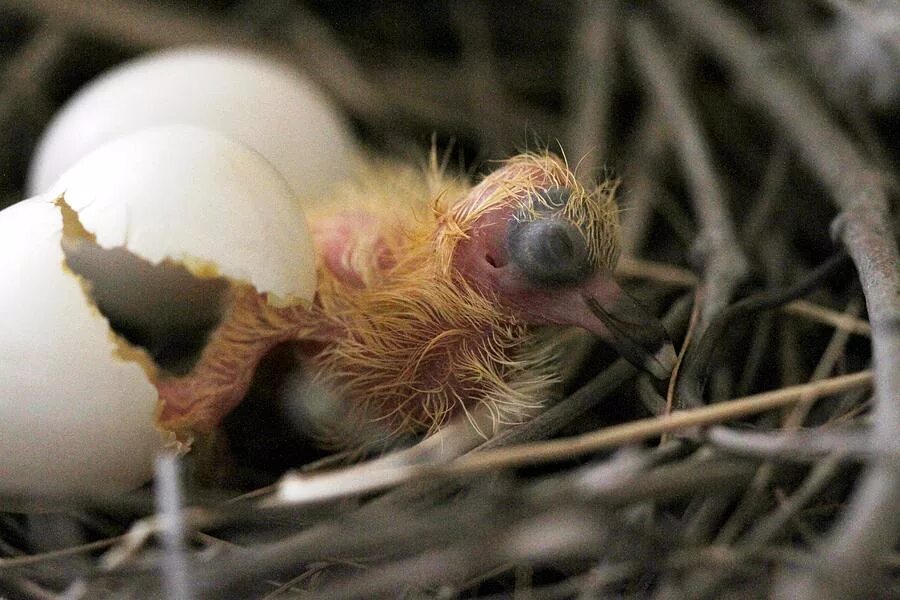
(132, 222)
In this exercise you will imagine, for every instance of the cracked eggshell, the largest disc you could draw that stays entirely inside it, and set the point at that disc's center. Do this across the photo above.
(74, 415)
(77, 403)
(251, 98)
(200, 199)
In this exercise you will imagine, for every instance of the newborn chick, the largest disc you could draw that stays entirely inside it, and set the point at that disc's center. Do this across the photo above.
(429, 291)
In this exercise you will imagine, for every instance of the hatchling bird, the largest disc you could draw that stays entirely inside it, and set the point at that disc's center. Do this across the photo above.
(431, 293)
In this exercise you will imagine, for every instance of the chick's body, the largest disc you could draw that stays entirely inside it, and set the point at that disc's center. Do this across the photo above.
(408, 342)
(429, 289)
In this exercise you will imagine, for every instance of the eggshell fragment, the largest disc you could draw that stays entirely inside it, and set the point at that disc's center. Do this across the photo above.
(74, 415)
(77, 403)
(253, 99)
(200, 199)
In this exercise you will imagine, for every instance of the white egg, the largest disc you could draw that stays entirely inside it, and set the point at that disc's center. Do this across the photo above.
(160, 213)
(266, 105)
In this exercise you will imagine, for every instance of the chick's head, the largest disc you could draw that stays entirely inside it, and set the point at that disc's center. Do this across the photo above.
(544, 247)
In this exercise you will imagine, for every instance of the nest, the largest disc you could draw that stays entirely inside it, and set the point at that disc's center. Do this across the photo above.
(753, 145)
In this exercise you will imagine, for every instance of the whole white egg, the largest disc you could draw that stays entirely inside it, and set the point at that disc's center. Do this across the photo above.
(165, 213)
(253, 99)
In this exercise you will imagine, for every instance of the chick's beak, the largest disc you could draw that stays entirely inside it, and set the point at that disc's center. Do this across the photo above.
(601, 306)
(629, 328)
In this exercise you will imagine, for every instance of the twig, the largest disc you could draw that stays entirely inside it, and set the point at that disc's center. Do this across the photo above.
(724, 265)
(870, 525)
(30, 559)
(483, 92)
(556, 417)
(689, 336)
(176, 578)
(315, 488)
(644, 429)
(796, 446)
(771, 526)
(823, 369)
(644, 158)
(766, 205)
(637, 268)
(591, 77)
(843, 321)
(696, 365)
(314, 48)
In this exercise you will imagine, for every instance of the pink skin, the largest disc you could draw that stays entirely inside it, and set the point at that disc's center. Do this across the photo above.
(621, 322)
(335, 236)
(200, 400)
(222, 375)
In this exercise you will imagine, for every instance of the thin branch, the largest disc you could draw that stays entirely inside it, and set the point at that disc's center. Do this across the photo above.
(724, 265)
(771, 525)
(842, 321)
(698, 361)
(297, 489)
(870, 525)
(591, 77)
(313, 48)
(636, 268)
(564, 412)
(176, 577)
(645, 154)
(797, 446)
(31, 559)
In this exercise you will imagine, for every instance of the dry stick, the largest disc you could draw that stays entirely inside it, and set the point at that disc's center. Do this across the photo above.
(31, 559)
(664, 273)
(794, 446)
(765, 206)
(590, 80)
(754, 495)
(313, 47)
(25, 588)
(483, 91)
(399, 531)
(870, 524)
(724, 265)
(28, 71)
(842, 321)
(298, 489)
(647, 194)
(643, 164)
(557, 416)
(696, 365)
(691, 331)
(153, 26)
(168, 494)
(825, 367)
(770, 526)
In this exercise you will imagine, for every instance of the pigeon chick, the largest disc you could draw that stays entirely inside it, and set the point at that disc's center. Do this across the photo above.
(430, 294)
